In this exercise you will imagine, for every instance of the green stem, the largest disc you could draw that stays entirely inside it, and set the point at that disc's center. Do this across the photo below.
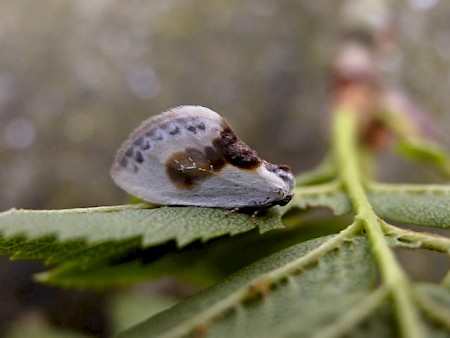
(422, 240)
(345, 140)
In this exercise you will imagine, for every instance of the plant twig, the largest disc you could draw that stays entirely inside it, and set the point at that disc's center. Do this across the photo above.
(393, 276)
(423, 240)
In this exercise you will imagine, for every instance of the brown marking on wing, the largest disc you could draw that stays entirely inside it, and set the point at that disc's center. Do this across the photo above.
(215, 158)
(189, 167)
(235, 151)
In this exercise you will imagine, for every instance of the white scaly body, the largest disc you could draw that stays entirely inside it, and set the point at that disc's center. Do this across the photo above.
(189, 156)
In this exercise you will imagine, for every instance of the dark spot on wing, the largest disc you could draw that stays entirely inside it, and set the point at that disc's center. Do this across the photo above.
(175, 131)
(235, 151)
(139, 141)
(189, 167)
(201, 126)
(124, 162)
(129, 152)
(197, 157)
(139, 157)
(145, 144)
(192, 129)
(215, 158)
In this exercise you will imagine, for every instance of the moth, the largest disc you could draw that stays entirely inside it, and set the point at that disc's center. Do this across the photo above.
(189, 156)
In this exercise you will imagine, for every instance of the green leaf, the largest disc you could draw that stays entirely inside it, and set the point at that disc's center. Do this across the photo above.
(129, 308)
(54, 252)
(446, 280)
(403, 238)
(328, 195)
(89, 241)
(415, 204)
(154, 226)
(380, 322)
(435, 303)
(281, 295)
(200, 263)
(425, 152)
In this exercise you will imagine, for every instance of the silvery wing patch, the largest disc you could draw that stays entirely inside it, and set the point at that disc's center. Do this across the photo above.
(190, 156)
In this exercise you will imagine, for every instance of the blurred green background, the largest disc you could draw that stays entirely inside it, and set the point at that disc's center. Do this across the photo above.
(77, 76)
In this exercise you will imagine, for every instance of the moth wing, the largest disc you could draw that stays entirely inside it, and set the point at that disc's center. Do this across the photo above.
(236, 188)
(190, 156)
(141, 164)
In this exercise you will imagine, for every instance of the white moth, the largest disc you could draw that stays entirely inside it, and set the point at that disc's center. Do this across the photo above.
(190, 156)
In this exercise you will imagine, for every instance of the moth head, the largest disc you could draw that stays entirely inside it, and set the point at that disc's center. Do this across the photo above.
(286, 180)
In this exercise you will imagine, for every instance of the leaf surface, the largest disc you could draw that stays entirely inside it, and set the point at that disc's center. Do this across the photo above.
(328, 195)
(435, 303)
(415, 204)
(88, 241)
(262, 299)
(154, 226)
(200, 263)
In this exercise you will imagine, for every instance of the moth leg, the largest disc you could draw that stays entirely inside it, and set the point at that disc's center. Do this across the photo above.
(255, 216)
(232, 211)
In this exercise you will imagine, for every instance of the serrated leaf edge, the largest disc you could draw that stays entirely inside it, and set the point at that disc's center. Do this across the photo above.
(259, 284)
